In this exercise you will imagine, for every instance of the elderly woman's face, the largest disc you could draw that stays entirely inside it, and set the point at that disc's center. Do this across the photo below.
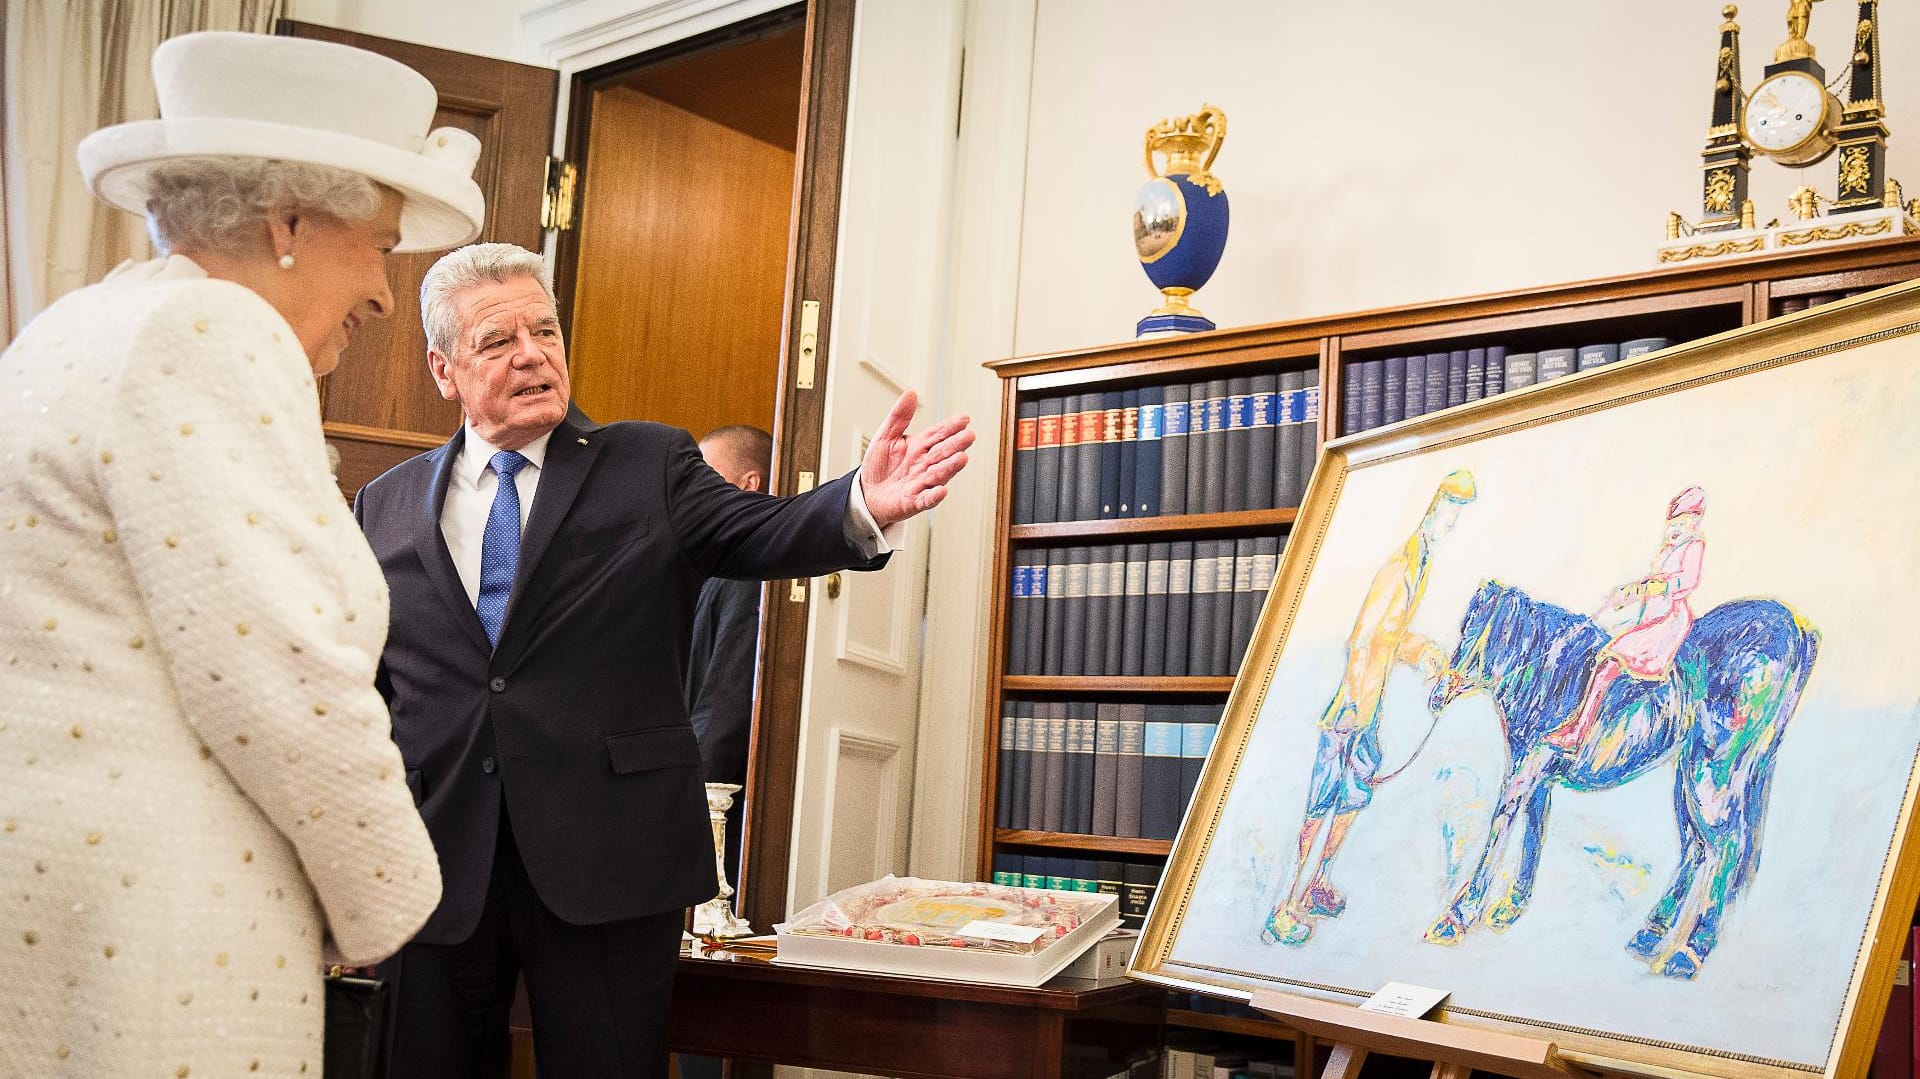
(339, 279)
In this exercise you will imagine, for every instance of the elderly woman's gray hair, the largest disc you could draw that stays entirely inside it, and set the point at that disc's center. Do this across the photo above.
(218, 203)
(462, 269)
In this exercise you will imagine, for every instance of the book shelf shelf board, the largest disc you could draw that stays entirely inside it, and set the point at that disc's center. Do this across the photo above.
(1288, 355)
(1718, 309)
(1199, 350)
(1230, 1024)
(1058, 683)
(1177, 524)
(1104, 844)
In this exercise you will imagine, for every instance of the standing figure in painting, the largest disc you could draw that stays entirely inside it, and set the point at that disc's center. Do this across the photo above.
(1348, 756)
(1649, 618)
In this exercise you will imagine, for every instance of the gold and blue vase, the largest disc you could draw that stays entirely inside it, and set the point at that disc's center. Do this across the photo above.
(1180, 218)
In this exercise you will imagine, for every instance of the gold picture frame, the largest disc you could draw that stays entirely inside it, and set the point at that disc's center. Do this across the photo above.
(1196, 937)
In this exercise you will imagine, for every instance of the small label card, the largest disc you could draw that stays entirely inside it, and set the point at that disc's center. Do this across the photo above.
(985, 930)
(1410, 1001)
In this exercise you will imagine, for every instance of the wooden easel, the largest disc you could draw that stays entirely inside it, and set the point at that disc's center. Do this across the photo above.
(1456, 1052)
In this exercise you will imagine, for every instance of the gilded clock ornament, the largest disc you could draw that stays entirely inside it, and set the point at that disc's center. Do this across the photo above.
(1180, 217)
(1792, 118)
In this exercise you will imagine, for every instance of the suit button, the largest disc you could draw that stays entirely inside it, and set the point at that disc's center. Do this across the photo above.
(498, 685)
(488, 766)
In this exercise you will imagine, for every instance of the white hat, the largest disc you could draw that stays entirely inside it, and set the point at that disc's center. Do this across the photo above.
(294, 99)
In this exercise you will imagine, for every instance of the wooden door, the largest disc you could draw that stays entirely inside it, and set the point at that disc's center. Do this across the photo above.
(381, 407)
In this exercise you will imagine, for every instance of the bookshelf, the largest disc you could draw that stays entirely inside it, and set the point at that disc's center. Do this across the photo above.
(1680, 304)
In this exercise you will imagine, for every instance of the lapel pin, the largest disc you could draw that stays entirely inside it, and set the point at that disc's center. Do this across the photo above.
(582, 441)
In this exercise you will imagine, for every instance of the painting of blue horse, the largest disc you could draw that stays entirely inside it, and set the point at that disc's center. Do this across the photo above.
(1721, 714)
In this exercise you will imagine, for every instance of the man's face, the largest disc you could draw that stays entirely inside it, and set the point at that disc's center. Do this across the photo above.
(509, 368)
(1446, 514)
(721, 459)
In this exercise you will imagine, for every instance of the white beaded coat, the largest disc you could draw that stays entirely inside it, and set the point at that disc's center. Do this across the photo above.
(200, 799)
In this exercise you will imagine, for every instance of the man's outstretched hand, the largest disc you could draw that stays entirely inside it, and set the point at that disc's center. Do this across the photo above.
(908, 474)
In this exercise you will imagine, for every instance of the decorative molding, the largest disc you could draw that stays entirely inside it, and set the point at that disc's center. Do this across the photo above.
(1836, 232)
(883, 753)
(577, 34)
(896, 579)
(385, 436)
(1708, 251)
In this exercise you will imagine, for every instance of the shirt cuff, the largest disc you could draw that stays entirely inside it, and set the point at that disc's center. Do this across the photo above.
(864, 532)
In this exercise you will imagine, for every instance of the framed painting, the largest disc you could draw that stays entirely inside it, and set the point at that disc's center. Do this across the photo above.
(1594, 705)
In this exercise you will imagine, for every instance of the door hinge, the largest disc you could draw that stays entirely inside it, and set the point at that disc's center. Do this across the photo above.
(809, 344)
(797, 593)
(556, 201)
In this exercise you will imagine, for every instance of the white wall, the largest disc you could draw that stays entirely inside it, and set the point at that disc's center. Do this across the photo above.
(486, 27)
(1395, 151)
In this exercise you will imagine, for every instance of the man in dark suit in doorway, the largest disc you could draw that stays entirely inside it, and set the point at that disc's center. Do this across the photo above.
(543, 571)
(726, 638)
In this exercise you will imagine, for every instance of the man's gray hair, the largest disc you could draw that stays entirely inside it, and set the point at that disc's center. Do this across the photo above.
(219, 204)
(462, 269)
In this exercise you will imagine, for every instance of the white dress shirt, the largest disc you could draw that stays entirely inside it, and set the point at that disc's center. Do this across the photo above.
(470, 490)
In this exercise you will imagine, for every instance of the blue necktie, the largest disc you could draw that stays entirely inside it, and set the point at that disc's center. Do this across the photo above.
(499, 546)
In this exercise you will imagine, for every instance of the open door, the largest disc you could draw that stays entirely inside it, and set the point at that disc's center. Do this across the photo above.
(381, 406)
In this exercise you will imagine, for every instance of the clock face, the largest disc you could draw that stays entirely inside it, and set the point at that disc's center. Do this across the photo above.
(1784, 111)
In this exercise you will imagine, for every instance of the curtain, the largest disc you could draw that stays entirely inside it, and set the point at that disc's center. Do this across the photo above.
(72, 66)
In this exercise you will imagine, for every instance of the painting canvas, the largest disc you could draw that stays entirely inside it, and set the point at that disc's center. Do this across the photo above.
(1594, 705)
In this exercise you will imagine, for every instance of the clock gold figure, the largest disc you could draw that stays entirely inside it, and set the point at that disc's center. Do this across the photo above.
(1793, 117)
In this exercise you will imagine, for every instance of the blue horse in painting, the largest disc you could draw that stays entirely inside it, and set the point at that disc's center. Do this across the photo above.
(1721, 711)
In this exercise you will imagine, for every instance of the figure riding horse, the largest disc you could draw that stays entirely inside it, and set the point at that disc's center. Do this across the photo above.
(1721, 710)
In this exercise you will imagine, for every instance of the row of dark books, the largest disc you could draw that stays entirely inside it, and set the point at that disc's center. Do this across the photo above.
(1200, 1055)
(1379, 392)
(1133, 882)
(1124, 769)
(1205, 447)
(1180, 607)
(1790, 304)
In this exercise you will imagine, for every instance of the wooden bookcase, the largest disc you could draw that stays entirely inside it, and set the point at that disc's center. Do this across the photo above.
(1682, 303)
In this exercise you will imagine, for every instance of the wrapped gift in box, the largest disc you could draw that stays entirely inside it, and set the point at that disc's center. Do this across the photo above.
(942, 929)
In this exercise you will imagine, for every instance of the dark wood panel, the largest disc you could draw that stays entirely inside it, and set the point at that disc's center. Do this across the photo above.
(1074, 841)
(773, 759)
(1174, 524)
(383, 380)
(683, 267)
(366, 452)
(1053, 683)
(752, 87)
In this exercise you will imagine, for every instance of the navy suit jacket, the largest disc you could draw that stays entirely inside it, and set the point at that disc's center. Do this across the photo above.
(576, 720)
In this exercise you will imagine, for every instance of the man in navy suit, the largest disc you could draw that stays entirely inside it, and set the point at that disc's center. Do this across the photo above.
(543, 572)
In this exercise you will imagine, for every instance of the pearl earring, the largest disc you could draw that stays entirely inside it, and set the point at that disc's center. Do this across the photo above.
(286, 261)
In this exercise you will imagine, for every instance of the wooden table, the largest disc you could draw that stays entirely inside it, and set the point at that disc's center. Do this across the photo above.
(917, 1028)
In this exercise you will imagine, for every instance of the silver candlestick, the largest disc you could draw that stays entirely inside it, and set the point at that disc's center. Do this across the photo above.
(715, 918)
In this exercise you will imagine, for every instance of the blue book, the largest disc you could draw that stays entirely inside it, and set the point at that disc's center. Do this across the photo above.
(1592, 356)
(1552, 363)
(1213, 450)
(1350, 400)
(1476, 373)
(1129, 450)
(1160, 805)
(1262, 443)
(1457, 377)
(1239, 444)
(1414, 386)
(1436, 382)
(1196, 494)
(1522, 370)
(1373, 391)
(1496, 370)
(1640, 346)
(1393, 407)
(1196, 739)
(1110, 407)
(1147, 466)
(1173, 452)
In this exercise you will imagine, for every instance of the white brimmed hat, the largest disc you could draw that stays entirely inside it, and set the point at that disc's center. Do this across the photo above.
(294, 99)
